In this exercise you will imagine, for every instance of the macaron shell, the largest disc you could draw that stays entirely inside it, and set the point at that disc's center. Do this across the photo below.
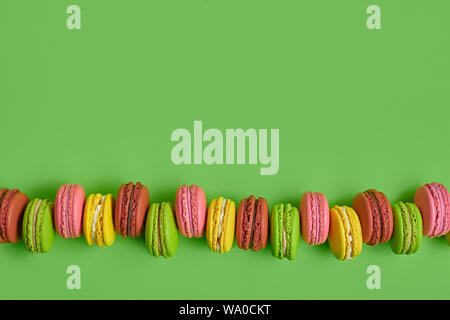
(170, 233)
(117, 214)
(275, 230)
(295, 233)
(14, 217)
(26, 224)
(362, 207)
(210, 224)
(88, 217)
(336, 237)
(398, 234)
(58, 211)
(152, 212)
(417, 228)
(227, 237)
(356, 231)
(141, 209)
(46, 231)
(240, 221)
(387, 219)
(109, 234)
(77, 210)
(447, 238)
(214, 222)
(200, 212)
(180, 212)
(325, 218)
(424, 201)
(239, 224)
(263, 226)
(306, 215)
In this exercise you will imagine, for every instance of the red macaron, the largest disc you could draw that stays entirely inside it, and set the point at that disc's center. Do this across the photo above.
(375, 214)
(131, 208)
(12, 207)
(252, 224)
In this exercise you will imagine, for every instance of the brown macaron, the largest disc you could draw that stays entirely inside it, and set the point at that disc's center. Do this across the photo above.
(131, 207)
(12, 207)
(252, 224)
(375, 213)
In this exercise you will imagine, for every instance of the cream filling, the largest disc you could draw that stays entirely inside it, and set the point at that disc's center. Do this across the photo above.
(222, 214)
(96, 213)
(349, 256)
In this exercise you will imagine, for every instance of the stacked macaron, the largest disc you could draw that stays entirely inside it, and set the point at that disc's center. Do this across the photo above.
(375, 214)
(37, 227)
(315, 217)
(252, 223)
(161, 234)
(285, 231)
(407, 235)
(12, 206)
(371, 220)
(345, 237)
(220, 225)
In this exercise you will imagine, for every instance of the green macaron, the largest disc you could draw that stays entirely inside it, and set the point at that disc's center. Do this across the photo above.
(161, 233)
(37, 227)
(407, 234)
(284, 231)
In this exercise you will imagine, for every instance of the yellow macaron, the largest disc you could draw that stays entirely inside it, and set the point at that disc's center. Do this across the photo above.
(220, 225)
(345, 237)
(98, 226)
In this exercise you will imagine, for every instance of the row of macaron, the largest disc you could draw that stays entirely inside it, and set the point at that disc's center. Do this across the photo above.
(371, 219)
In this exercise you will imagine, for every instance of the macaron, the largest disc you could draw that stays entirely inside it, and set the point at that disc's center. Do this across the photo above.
(447, 238)
(220, 225)
(345, 237)
(315, 217)
(375, 214)
(407, 235)
(190, 207)
(69, 206)
(12, 207)
(252, 224)
(98, 224)
(131, 207)
(37, 228)
(161, 233)
(433, 201)
(284, 231)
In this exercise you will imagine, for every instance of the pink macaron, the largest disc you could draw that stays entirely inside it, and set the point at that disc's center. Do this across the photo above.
(433, 201)
(315, 217)
(190, 207)
(69, 206)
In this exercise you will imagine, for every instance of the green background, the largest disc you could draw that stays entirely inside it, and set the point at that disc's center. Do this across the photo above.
(356, 109)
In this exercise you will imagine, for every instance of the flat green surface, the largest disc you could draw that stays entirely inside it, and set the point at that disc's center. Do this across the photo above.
(356, 109)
